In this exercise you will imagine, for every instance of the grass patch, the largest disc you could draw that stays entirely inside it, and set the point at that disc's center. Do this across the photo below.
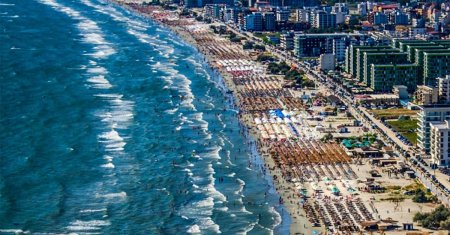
(392, 113)
(407, 128)
(414, 186)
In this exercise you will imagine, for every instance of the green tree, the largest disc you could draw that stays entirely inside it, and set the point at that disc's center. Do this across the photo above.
(420, 197)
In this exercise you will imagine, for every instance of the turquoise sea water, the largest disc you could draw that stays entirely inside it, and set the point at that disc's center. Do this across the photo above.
(100, 112)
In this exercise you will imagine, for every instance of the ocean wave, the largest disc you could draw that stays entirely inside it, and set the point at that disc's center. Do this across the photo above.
(241, 187)
(108, 165)
(97, 70)
(243, 208)
(201, 212)
(14, 231)
(93, 210)
(194, 229)
(276, 217)
(99, 82)
(89, 30)
(171, 111)
(80, 225)
(120, 195)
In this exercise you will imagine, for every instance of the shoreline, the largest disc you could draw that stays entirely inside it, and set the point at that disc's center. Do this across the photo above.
(286, 212)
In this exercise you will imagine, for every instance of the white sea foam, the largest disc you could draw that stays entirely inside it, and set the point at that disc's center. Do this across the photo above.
(99, 82)
(108, 165)
(276, 216)
(109, 96)
(80, 225)
(97, 70)
(121, 195)
(112, 140)
(14, 231)
(194, 229)
(241, 187)
(201, 211)
(93, 210)
(243, 209)
(171, 111)
(111, 136)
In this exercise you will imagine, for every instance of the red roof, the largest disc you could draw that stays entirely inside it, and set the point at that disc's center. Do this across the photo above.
(388, 6)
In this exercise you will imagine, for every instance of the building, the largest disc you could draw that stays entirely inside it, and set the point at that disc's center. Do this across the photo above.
(327, 62)
(369, 57)
(287, 41)
(427, 115)
(324, 20)
(339, 46)
(401, 91)
(435, 65)
(270, 23)
(254, 22)
(439, 143)
(302, 15)
(313, 45)
(235, 11)
(411, 50)
(426, 95)
(444, 89)
(283, 15)
(362, 8)
(386, 76)
(359, 57)
(351, 57)
(214, 11)
(380, 18)
(400, 18)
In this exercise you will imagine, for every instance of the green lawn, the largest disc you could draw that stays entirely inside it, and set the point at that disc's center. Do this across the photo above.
(407, 128)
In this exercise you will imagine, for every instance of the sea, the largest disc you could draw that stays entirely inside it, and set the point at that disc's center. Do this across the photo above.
(111, 124)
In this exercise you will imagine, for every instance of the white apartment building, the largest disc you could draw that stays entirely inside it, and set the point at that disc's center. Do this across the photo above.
(339, 48)
(444, 89)
(430, 114)
(439, 143)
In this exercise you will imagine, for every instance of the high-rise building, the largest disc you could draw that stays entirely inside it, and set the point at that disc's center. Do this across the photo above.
(269, 21)
(287, 41)
(283, 15)
(341, 7)
(427, 115)
(368, 57)
(254, 22)
(339, 46)
(440, 143)
(444, 89)
(351, 57)
(317, 44)
(362, 8)
(435, 65)
(302, 15)
(324, 20)
(235, 14)
(400, 18)
(386, 76)
(380, 18)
